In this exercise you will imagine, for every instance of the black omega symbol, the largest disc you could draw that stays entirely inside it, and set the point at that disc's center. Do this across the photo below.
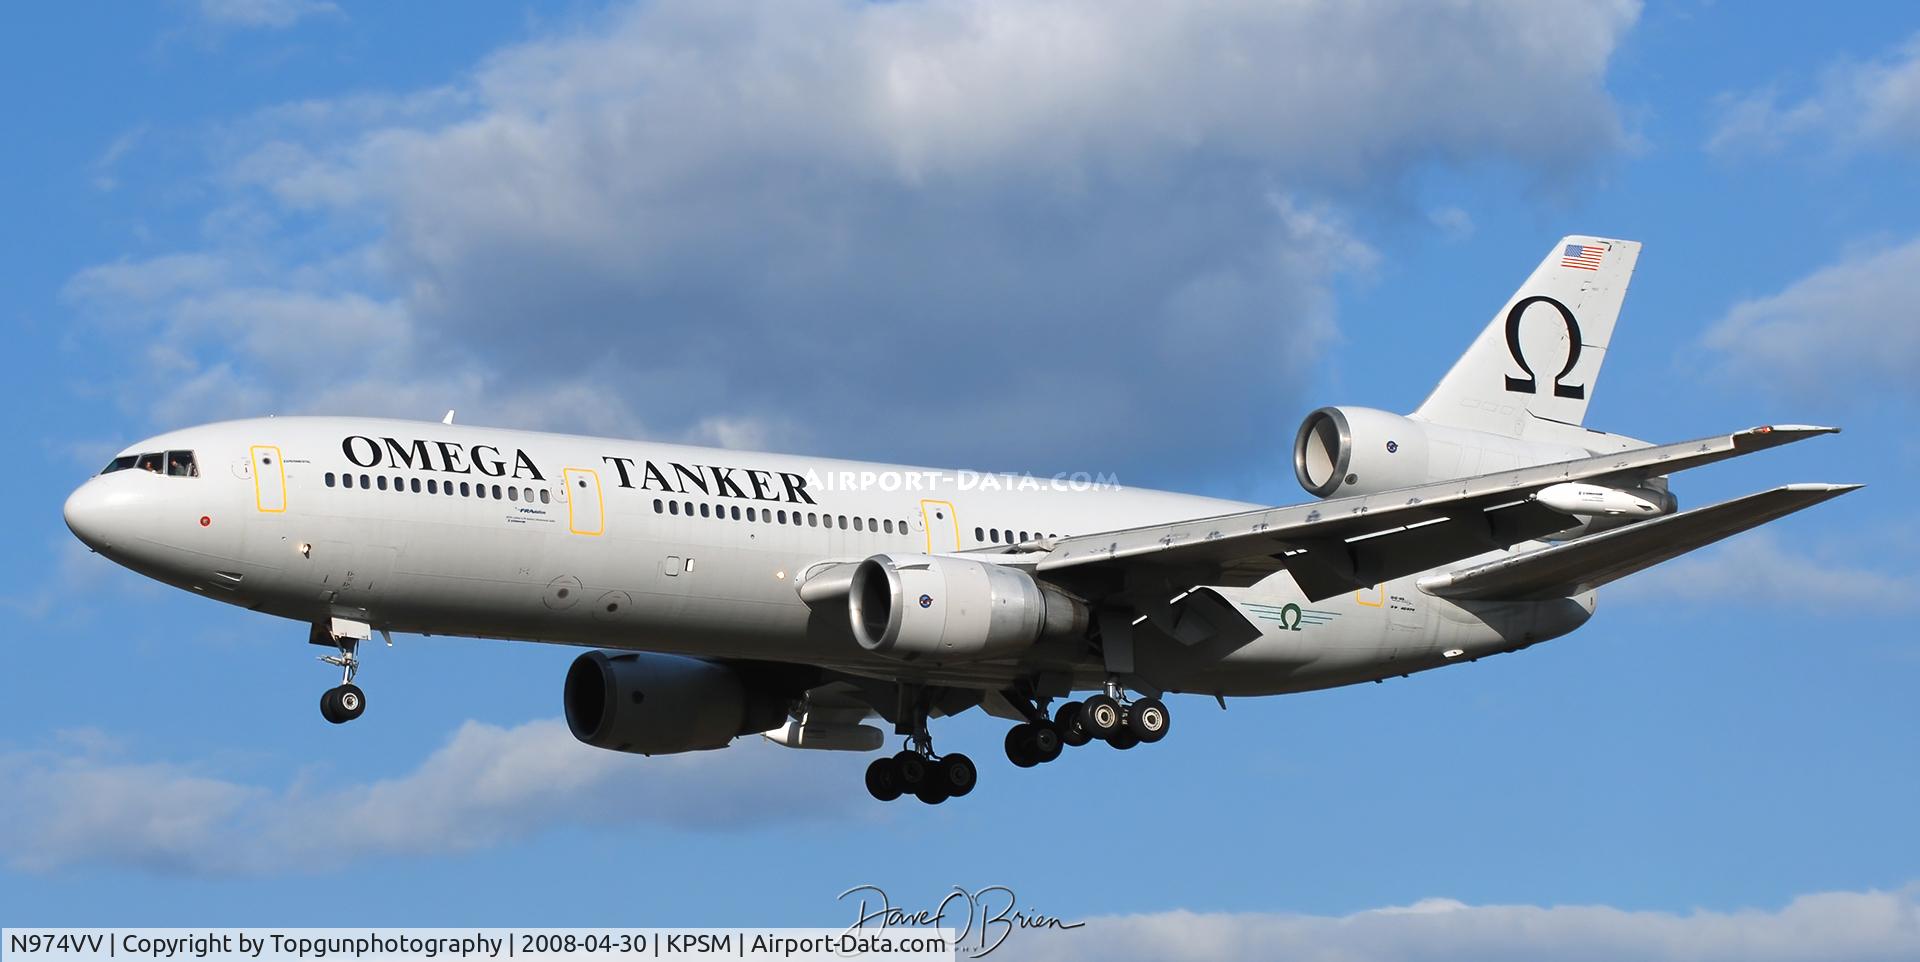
(1530, 384)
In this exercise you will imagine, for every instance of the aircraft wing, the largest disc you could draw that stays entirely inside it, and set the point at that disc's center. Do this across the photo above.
(1595, 560)
(1342, 544)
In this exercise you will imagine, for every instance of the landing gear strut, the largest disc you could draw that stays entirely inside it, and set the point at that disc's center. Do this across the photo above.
(346, 702)
(917, 770)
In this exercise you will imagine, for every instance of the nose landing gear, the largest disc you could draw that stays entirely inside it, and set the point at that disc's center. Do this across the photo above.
(345, 702)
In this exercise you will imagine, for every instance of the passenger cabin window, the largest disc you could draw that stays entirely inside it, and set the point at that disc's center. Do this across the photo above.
(329, 479)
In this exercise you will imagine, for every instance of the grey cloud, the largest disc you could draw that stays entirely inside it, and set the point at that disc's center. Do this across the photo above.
(1856, 105)
(1757, 569)
(82, 803)
(264, 14)
(1823, 927)
(1052, 236)
(1845, 326)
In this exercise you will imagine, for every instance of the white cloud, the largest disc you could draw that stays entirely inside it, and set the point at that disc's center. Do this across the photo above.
(1756, 568)
(82, 803)
(1824, 927)
(1844, 327)
(1857, 105)
(264, 14)
(898, 229)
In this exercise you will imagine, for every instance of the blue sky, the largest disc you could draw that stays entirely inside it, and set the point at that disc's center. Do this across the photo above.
(919, 232)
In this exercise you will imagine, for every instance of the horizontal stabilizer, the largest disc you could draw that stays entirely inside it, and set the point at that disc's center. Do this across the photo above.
(1585, 564)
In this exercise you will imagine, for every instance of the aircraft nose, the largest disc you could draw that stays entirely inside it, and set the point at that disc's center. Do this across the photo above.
(90, 511)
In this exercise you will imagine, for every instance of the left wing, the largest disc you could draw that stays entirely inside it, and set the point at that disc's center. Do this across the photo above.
(1587, 563)
(1345, 543)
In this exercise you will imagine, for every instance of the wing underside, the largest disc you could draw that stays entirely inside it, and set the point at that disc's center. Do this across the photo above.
(1590, 562)
(1345, 543)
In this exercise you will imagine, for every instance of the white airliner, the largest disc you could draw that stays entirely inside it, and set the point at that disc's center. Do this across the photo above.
(729, 593)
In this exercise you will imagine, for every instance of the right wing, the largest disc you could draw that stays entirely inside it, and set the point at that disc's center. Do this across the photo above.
(1592, 561)
(1341, 544)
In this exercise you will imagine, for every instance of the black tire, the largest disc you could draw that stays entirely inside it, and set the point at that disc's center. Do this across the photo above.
(1101, 716)
(933, 793)
(1067, 719)
(1148, 720)
(1123, 739)
(956, 774)
(1046, 743)
(883, 780)
(912, 770)
(351, 701)
(1020, 749)
(329, 709)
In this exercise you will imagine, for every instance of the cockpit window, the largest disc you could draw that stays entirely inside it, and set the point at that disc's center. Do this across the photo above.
(178, 464)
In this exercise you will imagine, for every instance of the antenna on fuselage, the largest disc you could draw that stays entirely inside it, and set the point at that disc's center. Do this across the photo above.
(449, 418)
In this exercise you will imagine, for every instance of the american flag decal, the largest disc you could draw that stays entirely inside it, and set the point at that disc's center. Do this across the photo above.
(1585, 257)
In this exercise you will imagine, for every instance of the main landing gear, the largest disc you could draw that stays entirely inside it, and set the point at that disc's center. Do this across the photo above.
(1108, 716)
(916, 770)
(933, 778)
(346, 702)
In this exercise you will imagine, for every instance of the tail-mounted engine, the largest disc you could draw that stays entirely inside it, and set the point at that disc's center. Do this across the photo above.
(1342, 451)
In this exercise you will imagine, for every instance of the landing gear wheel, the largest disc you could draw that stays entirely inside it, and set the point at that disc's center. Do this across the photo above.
(1101, 716)
(883, 779)
(1021, 749)
(1147, 720)
(1123, 739)
(955, 775)
(351, 701)
(1073, 734)
(932, 792)
(343, 704)
(1046, 743)
(329, 706)
(912, 769)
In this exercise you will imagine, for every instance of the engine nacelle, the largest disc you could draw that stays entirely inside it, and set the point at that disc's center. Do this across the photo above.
(953, 609)
(1342, 451)
(662, 704)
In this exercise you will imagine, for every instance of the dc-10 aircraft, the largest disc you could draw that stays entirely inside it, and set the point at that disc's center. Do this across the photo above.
(728, 593)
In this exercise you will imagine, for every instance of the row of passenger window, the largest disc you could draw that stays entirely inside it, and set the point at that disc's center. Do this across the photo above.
(810, 519)
(435, 486)
(1006, 536)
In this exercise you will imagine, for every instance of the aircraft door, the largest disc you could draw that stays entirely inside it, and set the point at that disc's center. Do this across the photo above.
(942, 526)
(269, 479)
(586, 509)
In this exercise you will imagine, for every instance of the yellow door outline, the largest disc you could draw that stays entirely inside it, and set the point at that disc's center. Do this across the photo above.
(566, 482)
(1379, 596)
(279, 474)
(927, 522)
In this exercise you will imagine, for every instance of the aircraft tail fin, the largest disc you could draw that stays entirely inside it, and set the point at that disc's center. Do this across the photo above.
(1538, 359)
(1587, 563)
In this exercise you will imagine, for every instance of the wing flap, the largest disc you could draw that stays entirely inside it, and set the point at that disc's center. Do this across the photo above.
(1590, 562)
